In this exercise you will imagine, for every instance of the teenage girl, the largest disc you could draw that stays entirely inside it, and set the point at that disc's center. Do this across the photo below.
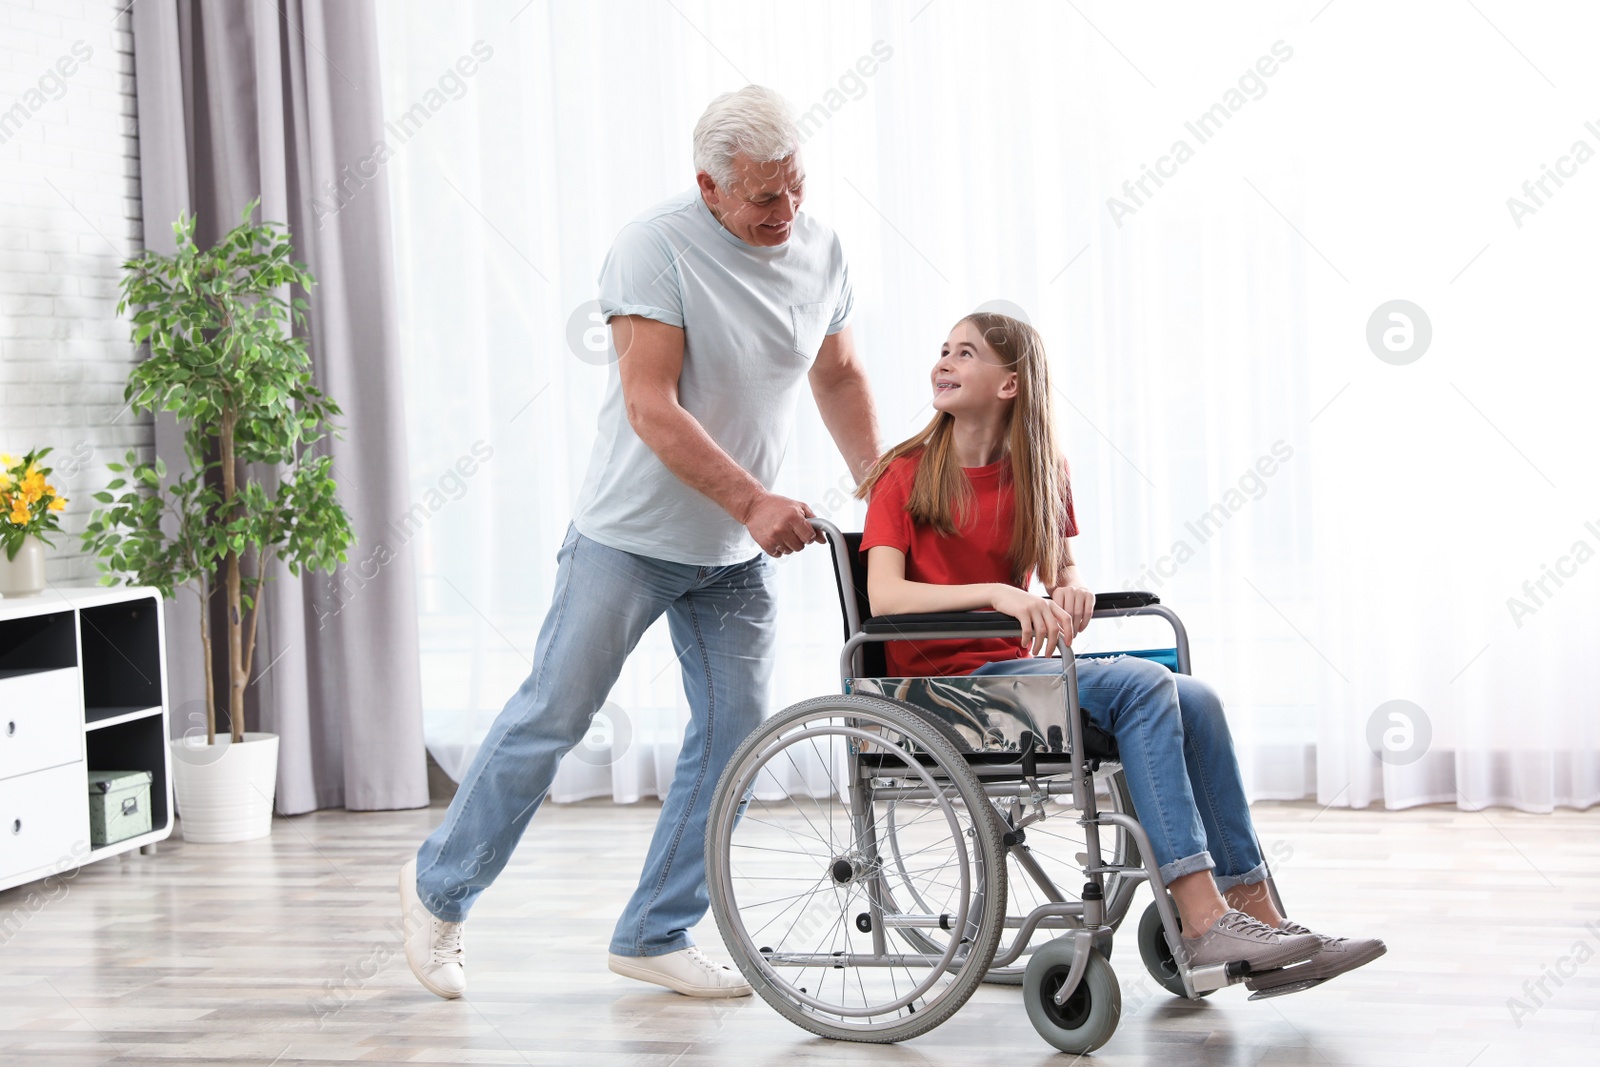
(959, 518)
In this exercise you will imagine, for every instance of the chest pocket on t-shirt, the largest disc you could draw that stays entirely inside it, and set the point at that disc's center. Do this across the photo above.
(810, 326)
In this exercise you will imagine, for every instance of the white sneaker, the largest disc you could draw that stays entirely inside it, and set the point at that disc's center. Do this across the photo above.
(689, 971)
(433, 946)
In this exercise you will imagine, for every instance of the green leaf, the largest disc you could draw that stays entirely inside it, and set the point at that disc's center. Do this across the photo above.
(217, 335)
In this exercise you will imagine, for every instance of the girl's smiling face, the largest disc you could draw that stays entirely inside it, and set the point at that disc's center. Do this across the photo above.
(969, 377)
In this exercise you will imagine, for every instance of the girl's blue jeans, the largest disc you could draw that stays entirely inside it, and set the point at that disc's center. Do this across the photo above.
(722, 621)
(1177, 756)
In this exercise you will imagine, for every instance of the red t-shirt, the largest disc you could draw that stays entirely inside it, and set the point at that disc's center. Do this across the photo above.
(978, 553)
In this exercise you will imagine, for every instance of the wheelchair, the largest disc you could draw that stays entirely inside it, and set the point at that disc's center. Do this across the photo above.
(872, 857)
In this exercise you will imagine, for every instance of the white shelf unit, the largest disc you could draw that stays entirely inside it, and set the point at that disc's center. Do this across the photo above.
(83, 687)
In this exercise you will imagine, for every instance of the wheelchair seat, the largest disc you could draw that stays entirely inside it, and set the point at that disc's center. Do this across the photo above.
(986, 716)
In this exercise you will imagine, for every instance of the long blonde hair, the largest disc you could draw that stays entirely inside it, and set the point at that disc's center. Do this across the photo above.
(941, 494)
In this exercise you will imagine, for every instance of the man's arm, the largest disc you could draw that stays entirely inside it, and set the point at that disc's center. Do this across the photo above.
(840, 385)
(650, 364)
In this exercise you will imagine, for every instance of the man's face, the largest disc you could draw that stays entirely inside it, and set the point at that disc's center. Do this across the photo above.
(760, 204)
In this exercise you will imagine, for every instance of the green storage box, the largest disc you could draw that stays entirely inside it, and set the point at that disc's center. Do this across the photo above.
(119, 806)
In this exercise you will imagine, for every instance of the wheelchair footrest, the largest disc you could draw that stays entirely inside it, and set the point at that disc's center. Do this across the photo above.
(1279, 983)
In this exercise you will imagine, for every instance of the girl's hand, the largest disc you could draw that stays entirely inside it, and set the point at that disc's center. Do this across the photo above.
(1046, 625)
(1076, 600)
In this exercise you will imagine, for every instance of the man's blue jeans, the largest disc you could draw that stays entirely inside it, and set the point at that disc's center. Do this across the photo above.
(1177, 756)
(722, 621)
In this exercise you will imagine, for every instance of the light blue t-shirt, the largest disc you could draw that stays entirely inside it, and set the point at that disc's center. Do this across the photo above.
(753, 320)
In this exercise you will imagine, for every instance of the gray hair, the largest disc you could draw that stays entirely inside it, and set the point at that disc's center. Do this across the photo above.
(755, 121)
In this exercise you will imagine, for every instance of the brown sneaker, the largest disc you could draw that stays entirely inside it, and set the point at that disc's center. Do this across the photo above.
(1236, 937)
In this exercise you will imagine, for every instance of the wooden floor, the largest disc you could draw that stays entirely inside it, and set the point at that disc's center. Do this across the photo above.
(284, 951)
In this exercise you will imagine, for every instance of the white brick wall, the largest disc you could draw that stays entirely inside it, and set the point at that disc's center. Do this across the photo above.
(69, 216)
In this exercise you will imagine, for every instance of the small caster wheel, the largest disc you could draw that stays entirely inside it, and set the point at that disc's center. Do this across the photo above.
(148, 850)
(1090, 1015)
(1157, 954)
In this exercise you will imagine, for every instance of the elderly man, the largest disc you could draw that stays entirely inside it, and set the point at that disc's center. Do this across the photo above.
(720, 300)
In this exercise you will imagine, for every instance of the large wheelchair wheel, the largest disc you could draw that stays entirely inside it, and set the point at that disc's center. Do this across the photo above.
(841, 935)
(1048, 859)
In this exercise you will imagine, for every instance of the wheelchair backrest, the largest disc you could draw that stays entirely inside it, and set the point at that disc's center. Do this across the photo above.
(854, 586)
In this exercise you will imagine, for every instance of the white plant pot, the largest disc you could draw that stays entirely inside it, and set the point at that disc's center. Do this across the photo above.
(225, 791)
(23, 576)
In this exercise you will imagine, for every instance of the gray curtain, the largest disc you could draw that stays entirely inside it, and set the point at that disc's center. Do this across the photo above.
(246, 98)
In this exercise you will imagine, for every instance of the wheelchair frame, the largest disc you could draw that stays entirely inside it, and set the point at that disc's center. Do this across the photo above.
(1028, 777)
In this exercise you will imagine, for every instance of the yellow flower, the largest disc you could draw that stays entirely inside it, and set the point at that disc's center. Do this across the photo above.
(58, 504)
(20, 513)
(33, 486)
(5, 480)
(7, 460)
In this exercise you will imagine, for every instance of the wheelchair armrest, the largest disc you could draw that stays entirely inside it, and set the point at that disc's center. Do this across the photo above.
(982, 622)
(1122, 599)
(979, 622)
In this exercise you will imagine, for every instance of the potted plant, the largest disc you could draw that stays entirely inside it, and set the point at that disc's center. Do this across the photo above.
(28, 507)
(224, 360)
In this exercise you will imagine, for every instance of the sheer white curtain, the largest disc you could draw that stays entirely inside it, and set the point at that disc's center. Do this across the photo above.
(1446, 490)
(1332, 547)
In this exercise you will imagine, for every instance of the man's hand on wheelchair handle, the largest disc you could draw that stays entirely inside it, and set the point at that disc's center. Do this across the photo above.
(779, 524)
(1046, 625)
